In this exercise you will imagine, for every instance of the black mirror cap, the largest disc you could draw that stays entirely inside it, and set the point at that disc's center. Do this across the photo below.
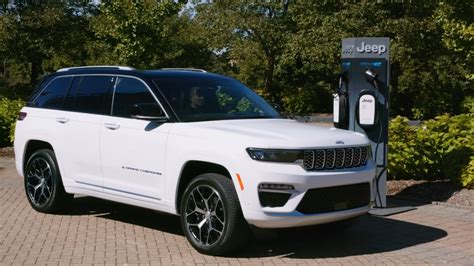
(277, 107)
(148, 111)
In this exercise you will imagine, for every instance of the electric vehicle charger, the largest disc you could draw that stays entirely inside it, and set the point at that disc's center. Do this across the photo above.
(341, 103)
(364, 106)
(372, 78)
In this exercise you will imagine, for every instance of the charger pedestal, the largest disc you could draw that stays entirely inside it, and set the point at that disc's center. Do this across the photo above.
(359, 55)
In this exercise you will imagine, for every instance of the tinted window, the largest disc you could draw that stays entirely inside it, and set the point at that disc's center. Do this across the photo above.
(129, 92)
(212, 98)
(90, 94)
(52, 97)
(70, 101)
(39, 88)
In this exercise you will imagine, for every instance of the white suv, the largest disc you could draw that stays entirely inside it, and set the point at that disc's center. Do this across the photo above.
(190, 143)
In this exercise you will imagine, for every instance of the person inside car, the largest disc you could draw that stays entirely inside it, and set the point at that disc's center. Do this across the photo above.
(198, 100)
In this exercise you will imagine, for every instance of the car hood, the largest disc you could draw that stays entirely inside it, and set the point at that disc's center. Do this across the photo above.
(270, 133)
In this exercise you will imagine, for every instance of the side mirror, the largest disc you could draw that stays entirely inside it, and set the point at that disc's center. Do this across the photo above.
(148, 111)
(277, 107)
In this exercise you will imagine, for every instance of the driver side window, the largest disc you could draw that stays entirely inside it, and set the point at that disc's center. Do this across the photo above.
(129, 92)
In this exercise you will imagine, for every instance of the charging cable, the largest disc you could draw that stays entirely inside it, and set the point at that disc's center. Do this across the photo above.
(374, 80)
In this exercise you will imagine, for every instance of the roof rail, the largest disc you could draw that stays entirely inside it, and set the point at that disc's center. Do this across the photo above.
(186, 69)
(95, 67)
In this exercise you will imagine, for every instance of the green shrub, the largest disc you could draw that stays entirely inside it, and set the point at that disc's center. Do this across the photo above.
(467, 174)
(8, 113)
(437, 149)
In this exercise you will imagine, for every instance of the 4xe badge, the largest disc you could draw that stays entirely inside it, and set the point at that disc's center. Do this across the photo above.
(348, 49)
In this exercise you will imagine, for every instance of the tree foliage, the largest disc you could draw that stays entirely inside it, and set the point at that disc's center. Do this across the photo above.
(251, 36)
(288, 51)
(37, 37)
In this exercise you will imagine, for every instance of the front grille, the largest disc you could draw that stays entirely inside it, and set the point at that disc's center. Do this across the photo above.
(323, 159)
(321, 200)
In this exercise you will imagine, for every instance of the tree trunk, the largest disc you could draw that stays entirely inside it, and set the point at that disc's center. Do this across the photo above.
(269, 81)
(35, 70)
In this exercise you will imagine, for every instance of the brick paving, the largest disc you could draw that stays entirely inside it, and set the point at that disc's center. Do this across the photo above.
(94, 231)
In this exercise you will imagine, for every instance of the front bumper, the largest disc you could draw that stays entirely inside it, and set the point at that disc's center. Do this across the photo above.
(302, 181)
(296, 219)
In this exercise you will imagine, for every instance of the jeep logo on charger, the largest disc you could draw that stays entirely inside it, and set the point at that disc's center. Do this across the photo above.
(374, 48)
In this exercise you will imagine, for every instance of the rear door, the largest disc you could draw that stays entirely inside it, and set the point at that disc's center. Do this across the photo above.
(45, 117)
(132, 150)
(86, 104)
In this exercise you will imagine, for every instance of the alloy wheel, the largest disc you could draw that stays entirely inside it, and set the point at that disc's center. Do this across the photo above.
(205, 215)
(39, 181)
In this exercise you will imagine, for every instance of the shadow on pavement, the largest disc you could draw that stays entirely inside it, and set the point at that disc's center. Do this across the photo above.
(126, 214)
(369, 235)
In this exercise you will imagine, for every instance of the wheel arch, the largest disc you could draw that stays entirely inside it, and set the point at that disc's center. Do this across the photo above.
(31, 147)
(192, 169)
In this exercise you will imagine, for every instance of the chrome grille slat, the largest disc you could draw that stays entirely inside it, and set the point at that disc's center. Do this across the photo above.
(331, 157)
(319, 159)
(325, 159)
(349, 157)
(340, 154)
(357, 156)
(364, 155)
(308, 159)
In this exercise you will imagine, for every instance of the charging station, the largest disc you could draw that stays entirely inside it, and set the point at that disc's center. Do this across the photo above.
(361, 101)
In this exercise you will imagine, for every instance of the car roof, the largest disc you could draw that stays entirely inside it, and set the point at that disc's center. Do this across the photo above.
(157, 73)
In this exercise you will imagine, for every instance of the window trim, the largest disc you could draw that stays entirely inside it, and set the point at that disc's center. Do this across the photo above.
(149, 90)
(38, 94)
(113, 91)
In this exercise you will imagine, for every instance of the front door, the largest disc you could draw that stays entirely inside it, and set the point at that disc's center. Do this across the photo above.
(132, 150)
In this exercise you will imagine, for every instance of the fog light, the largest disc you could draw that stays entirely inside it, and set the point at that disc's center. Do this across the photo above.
(276, 186)
(273, 199)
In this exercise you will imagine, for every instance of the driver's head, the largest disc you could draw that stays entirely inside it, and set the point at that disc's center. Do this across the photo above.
(198, 97)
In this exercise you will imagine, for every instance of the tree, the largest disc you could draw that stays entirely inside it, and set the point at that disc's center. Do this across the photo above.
(251, 36)
(33, 33)
(136, 33)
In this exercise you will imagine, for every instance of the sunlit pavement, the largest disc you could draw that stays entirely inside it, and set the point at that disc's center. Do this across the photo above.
(99, 232)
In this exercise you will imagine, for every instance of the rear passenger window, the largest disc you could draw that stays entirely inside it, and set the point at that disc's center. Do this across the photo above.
(52, 97)
(90, 94)
(70, 101)
(129, 92)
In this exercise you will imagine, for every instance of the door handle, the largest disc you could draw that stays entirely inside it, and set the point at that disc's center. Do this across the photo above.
(112, 126)
(62, 120)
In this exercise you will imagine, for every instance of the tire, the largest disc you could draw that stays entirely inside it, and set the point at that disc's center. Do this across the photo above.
(211, 216)
(43, 184)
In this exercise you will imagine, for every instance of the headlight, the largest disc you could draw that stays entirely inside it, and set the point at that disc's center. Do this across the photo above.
(272, 155)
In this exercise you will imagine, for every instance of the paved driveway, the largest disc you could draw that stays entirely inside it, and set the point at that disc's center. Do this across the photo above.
(100, 232)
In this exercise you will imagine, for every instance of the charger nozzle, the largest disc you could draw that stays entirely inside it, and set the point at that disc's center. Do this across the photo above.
(370, 75)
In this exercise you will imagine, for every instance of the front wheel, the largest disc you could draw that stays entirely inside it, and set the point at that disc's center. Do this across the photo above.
(43, 184)
(211, 216)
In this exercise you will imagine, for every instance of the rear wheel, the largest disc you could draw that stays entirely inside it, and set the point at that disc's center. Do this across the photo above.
(43, 184)
(211, 216)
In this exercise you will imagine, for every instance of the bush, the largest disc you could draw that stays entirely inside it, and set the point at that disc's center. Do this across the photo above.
(437, 149)
(8, 113)
(467, 174)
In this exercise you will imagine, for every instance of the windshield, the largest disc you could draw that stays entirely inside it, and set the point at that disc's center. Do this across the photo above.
(213, 98)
